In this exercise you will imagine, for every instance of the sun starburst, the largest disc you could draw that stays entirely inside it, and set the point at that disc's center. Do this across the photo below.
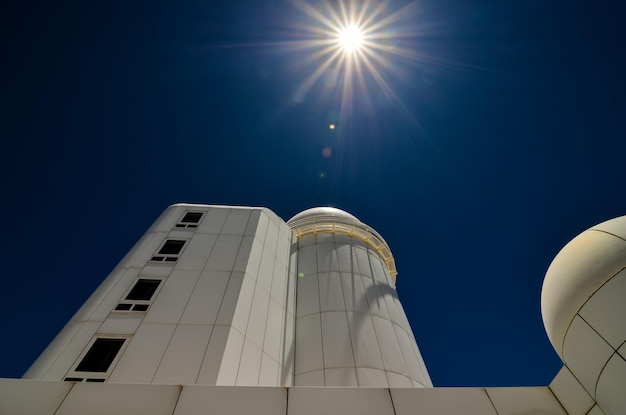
(350, 38)
(353, 48)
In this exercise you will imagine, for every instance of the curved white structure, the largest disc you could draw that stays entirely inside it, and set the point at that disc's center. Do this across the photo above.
(208, 297)
(213, 298)
(351, 329)
(583, 305)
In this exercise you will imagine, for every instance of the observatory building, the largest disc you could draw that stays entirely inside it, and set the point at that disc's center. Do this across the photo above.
(231, 310)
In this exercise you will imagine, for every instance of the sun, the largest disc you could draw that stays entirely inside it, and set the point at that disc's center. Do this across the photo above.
(351, 38)
(350, 51)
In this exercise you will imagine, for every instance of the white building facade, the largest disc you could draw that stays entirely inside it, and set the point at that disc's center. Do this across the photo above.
(215, 295)
(231, 310)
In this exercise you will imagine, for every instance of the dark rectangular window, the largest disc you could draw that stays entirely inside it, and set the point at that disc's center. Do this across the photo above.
(140, 307)
(123, 307)
(191, 217)
(172, 247)
(100, 355)
(143, 290)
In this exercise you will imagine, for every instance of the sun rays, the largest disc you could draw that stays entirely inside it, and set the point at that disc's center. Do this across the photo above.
(352, 49)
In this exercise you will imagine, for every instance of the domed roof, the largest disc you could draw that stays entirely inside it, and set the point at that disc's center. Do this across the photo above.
(323, 211)
(578, 270)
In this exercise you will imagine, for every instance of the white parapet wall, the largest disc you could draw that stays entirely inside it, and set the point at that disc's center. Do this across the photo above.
(18, 396)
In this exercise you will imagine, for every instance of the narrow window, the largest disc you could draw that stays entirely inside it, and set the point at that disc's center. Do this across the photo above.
(190, 220)
(143, 290)
(191, 217)
(172, 247)
(140, 296)
(169, 251)
(100, 355)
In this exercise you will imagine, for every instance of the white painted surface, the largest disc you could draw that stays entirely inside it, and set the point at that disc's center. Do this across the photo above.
(336, 341)
(585, 353)
(606, 310)
(250, 365)
(213, 221)
(579, 269)
(442, 401)
(38, 369)
(314, 378)
(206, 298)
(225, 312)
(272, 336)
(364, 342)
(269, 371)
(243, 304)
(66, 398)
(232, 357)
(611, 388)
(195, 400)
(596, 411)
(342, 376)
(67, 359)
(243, 256)
(141, 358)
(571, 393)
(339, 401)
(357, 308)
(258, 316)
(527, 400)
(371, 378)
(308, 296)
(230, 302)
(309, 351)
(122, 278)
(183, 356)
(121, 323)
(224, 253)
(331, 292)
(212, 361)
(169, 304)
(236, 222)
(31, 396)
(107, 399)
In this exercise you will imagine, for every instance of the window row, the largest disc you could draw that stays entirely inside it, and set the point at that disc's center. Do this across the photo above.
(170, 251)
(95, 364)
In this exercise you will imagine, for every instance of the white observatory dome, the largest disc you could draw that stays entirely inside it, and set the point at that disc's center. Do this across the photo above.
(323, 211)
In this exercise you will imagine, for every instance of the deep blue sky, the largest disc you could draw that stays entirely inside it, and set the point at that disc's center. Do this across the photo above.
(507, 140)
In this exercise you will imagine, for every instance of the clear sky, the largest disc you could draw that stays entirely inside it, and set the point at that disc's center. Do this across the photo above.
(485, 135)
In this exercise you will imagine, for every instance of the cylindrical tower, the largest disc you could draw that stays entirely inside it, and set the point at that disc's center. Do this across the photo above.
(583, 303)
(351, 329)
